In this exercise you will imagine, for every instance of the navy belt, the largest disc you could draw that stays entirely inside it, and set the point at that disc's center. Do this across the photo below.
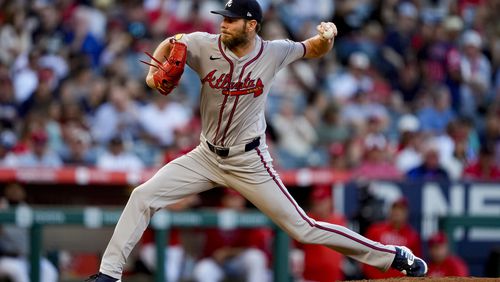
(225, 151)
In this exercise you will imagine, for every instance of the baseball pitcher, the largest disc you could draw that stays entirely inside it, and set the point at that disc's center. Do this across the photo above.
(236, 68)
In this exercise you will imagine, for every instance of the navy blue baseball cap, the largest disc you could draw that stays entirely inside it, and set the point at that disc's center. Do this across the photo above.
(243, 9)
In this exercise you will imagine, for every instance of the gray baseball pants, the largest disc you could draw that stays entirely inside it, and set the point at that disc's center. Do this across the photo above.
(251, 174)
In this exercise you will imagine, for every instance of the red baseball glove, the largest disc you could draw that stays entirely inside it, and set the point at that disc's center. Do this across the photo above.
(167, 77)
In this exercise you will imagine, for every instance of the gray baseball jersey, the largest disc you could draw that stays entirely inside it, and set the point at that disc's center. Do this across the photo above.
(233, 96)
(234, 90)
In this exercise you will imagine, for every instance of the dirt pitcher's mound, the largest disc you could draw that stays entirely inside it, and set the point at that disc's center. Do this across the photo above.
(434, 279)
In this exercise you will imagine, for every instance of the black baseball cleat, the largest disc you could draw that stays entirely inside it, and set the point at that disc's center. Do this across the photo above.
(101, 277)
(410, 265)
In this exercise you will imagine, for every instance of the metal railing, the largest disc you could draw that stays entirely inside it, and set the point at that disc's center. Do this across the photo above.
(449, 223)
(162, 221)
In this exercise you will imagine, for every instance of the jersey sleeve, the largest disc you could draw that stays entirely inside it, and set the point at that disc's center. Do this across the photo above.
(194, 42)
(285, 52)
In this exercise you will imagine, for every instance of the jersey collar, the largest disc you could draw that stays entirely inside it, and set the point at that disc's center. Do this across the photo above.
(228, 53)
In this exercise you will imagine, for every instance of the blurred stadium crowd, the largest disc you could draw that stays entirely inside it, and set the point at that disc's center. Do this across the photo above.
(412, 87)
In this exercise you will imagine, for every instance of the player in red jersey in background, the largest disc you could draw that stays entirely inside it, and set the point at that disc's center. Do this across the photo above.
(442, 262)
(322, 264)
(394, 231)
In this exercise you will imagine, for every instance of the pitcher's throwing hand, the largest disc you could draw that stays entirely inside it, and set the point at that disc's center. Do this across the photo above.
(327, 30)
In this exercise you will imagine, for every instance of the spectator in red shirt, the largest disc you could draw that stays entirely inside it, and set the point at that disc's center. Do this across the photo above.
(395, 231)
(322, 264)
(442, 263)
(192, 22)
(238, 253)
(377, 162)
(484, 168)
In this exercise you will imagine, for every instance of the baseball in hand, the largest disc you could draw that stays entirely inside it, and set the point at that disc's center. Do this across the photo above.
(327, 30)
(328, 34)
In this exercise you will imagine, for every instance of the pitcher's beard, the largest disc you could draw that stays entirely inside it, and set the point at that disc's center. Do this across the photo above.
(239, 39)
(236, 41)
